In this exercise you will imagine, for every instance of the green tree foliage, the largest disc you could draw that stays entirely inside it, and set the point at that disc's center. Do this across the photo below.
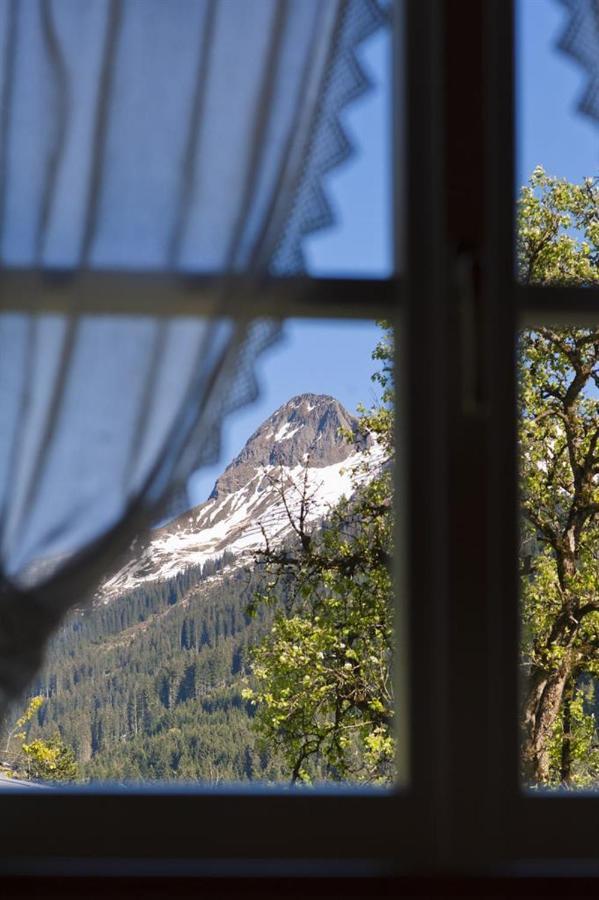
(39, 760)
(50, 760)
(322, 681)
(558, 243)
(18, 731)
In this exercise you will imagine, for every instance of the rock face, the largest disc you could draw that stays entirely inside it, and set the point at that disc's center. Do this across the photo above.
(308, 425)
(299, 451)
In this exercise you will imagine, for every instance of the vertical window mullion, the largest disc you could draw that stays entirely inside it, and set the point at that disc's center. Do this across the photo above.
(465, 296)
(502, 475)
(421, 405)
(479, 375)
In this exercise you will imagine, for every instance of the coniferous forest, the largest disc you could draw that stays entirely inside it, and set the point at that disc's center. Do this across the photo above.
(148, 687)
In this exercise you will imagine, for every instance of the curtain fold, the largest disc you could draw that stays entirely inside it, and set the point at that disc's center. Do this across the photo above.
(153, 137)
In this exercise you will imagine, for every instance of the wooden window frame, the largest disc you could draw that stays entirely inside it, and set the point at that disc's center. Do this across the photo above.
(156, 829)
(456, 310)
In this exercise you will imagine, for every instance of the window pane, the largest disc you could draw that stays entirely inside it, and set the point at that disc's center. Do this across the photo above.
(360, 239)
(214, 140)
(557, 133)
(559, 556)
(250, 638)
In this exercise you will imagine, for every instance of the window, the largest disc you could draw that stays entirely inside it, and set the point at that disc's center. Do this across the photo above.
(560, 308)
(149, 683)
(458, 309)
(204, 824)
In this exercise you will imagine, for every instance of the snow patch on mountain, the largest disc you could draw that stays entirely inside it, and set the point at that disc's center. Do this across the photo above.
(299, 454)
(286, 431)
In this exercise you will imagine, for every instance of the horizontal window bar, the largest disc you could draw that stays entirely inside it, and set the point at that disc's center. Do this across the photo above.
(555, 825)
(157, 294)
(219, 824)
(557, 305)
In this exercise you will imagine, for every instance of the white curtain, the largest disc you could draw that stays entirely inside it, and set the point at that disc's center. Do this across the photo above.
(187, 136)
(580, 40)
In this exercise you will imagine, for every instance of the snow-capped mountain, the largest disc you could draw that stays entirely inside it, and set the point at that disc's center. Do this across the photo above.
(299, 451)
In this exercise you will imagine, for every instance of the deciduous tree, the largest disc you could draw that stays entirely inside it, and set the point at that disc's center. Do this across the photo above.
(322, 678)
(558, 243)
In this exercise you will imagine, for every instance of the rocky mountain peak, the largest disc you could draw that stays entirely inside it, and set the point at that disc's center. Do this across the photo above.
(306, 428)
(245, 503)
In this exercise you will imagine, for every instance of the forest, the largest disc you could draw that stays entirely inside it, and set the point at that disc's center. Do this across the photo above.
(148, 686)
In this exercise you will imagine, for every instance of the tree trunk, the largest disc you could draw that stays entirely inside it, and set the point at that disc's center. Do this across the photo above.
(541, 710)
(566, 757)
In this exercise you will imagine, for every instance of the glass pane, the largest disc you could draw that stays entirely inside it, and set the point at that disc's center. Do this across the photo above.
(558, 243)
(360, 241)
(559, 556)
(551, 131)
(557, 133)
(219, 139)
(250, 638)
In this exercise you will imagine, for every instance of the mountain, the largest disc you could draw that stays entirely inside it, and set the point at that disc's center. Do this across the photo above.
(145, 683)
(299, 451)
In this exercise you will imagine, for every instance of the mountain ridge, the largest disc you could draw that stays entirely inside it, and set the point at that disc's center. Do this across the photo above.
(305, 424)
(301, 448)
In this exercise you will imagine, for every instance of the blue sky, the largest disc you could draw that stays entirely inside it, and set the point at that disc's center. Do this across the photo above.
(549, 129)
(332, 357)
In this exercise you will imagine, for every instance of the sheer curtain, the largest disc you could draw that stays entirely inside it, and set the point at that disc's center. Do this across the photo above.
(153, 137)
(580, 40)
